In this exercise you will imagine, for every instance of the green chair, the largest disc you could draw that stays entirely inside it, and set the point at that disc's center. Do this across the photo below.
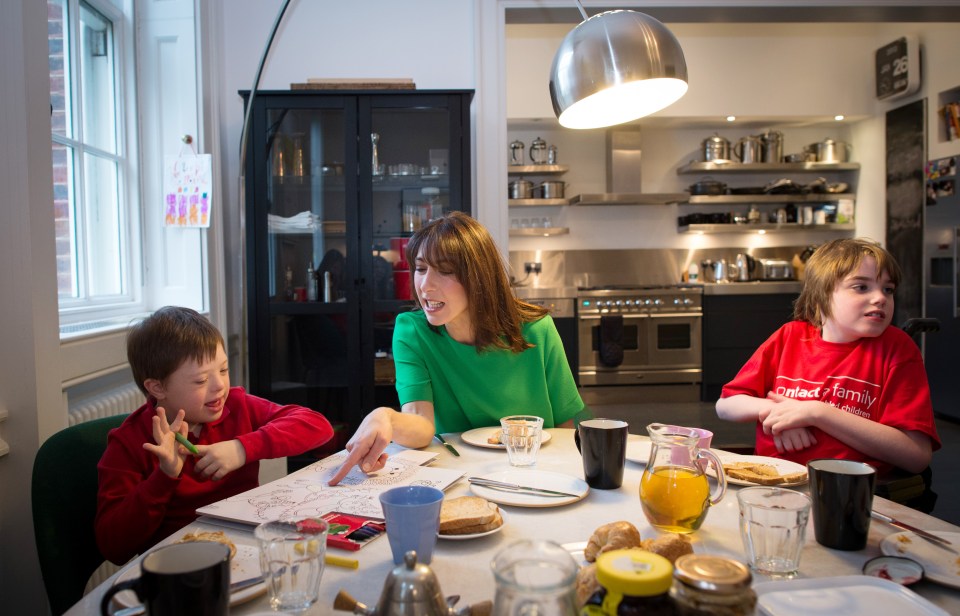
(64, 492)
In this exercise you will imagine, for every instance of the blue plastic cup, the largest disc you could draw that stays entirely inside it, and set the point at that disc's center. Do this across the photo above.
(412, 515)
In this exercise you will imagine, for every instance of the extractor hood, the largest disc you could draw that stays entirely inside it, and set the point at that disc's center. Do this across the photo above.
(623, 175)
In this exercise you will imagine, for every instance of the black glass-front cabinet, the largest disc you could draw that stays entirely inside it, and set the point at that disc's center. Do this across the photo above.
(335, 181)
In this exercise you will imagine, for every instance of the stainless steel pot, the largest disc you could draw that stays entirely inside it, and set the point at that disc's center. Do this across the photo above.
(830, 151)
(551, 189)
(749, 149)
(716, 148)
(521, 189)
(772, 141)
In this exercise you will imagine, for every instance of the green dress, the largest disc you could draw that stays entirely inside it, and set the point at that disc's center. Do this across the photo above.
(470, 389)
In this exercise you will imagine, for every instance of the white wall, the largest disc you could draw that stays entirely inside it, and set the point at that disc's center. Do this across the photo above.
(29, 338)
(793, 77)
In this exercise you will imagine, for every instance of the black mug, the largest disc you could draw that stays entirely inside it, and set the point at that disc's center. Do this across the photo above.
(183, 579)
(603, 445)
(842, 495)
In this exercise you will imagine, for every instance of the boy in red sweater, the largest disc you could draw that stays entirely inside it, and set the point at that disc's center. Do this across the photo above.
(151, 485)
(838, 382)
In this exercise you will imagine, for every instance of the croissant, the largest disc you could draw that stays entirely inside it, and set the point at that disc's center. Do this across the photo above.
(612, 536)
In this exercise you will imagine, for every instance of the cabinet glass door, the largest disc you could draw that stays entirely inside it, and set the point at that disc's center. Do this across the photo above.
(410, 181)
(309, 216)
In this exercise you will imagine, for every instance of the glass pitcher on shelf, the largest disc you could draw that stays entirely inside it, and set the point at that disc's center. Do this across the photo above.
(534, 578)
(674, 491)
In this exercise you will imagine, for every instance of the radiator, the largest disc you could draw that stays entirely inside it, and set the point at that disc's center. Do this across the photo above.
(118, 401)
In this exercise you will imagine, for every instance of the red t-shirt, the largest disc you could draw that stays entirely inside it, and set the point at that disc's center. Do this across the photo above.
(138, 504)
(881, 379)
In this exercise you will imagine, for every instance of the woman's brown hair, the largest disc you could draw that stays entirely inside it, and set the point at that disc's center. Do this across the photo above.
(831, 263)
(458, 244)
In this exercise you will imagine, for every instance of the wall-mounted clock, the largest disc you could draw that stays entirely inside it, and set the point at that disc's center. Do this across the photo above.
(898, 68)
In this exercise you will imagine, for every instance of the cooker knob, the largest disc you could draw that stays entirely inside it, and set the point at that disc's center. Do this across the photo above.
(658, 302)
(676, 301)
(687, 301)
(619, 303)
(646, 302)
(629, 303)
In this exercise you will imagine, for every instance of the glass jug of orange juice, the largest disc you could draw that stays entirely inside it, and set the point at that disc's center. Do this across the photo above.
(674, 491)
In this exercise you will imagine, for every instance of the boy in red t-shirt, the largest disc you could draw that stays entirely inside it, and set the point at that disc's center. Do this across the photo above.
(151, 485)
(838, 382)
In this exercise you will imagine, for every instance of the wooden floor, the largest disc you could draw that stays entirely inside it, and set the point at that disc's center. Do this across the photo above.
(730, 435)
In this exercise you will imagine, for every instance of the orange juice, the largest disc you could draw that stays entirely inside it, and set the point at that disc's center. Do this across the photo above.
(675, 499)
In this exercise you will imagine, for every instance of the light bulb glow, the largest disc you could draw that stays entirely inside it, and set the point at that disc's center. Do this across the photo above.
(623, 103)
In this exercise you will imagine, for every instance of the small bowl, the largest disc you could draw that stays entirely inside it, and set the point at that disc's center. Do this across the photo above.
(894, 568)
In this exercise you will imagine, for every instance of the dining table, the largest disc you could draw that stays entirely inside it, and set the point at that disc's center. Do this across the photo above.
(463, 567)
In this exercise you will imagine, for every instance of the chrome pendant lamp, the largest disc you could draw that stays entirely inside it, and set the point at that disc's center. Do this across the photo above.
(615, 67)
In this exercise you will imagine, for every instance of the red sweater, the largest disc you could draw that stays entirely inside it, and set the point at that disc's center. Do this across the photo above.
(881, 379)
(139, 505)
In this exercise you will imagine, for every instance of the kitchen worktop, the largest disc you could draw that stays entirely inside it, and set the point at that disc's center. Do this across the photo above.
(754, 287)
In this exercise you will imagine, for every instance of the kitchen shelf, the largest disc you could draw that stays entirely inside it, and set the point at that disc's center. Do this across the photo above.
(539, 232)
(789, 227)
(537, 169)
(536, 202)
(761, 199)
(732, 167)
(629, 199)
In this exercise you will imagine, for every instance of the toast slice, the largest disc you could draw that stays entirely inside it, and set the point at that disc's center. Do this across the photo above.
(761, 474)
(497, 522)
(464, 512)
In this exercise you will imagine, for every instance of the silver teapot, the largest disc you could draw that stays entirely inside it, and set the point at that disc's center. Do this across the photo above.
(411, 589)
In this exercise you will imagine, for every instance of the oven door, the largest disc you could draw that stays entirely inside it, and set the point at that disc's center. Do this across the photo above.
(633, 341)
(674, 341)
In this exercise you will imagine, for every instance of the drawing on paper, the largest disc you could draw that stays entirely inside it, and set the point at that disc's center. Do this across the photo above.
(306, 493)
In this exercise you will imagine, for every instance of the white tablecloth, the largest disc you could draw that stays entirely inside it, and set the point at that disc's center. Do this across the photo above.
(463, 567)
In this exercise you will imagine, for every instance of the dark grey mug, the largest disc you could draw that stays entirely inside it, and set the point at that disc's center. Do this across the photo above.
(183, 579)
(842, 495)
(603, 445)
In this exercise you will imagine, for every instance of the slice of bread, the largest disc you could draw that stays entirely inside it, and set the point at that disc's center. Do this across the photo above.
(497, 522)
(759, 473)
(466, 511)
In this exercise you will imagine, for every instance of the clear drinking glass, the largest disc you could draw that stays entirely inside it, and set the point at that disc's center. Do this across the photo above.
(292, 552)
(521, 437)
(534, 577)
(773, 527)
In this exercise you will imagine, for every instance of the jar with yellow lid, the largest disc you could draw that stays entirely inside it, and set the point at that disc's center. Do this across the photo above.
(704, 584)
(631, 582)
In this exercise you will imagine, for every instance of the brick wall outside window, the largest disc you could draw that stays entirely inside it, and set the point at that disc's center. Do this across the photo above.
(61, 171)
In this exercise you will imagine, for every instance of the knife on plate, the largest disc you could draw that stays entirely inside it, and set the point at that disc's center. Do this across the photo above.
(444, 442)
(513, 487)
(934, 539)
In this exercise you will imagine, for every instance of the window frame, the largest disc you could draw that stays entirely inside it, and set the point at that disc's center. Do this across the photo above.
(81, 315)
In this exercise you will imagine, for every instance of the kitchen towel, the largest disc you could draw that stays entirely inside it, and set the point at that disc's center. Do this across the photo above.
(611, 340)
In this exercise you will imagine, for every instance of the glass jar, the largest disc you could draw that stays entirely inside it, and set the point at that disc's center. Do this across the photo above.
(432, 206)
(631, 582)
(705, 584)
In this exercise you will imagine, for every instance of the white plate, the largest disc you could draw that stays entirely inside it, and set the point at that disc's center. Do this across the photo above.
(784, 467)
(244, 565)
(856, 595)
(479, 436)
(638, 449)
(939, 565)
(476, 535)
(547, 480)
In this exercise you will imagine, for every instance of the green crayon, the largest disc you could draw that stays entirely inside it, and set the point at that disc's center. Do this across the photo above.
(190, 446)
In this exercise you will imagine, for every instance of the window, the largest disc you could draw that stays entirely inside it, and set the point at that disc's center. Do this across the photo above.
(94, 156)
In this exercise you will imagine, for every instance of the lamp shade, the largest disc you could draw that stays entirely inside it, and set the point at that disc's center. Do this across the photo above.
(616, 67)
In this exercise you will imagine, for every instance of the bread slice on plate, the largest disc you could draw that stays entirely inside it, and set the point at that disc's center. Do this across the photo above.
(466, 512)
(759, 473)
(497, 522)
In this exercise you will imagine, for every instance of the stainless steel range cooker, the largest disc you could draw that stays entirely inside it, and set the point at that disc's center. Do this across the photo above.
(640, 335)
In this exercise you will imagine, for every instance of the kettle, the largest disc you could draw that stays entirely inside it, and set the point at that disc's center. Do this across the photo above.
(745, 265)
(411, 589)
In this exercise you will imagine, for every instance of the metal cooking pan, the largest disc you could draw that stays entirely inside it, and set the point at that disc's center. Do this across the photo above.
(708, 186)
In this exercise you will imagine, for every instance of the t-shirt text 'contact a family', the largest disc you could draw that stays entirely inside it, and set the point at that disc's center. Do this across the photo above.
(844, 392)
